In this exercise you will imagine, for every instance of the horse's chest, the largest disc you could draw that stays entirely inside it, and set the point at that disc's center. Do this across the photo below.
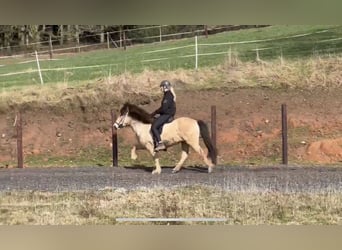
(143, 138)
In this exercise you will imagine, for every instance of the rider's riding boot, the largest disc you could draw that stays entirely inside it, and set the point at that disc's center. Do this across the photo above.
(160, 146)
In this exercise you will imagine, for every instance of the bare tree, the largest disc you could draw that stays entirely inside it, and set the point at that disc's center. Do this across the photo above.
(22, 35)
(7, 32)
(34, 34)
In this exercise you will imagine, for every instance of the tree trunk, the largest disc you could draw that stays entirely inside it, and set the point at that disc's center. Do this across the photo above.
(7, 41)
(68, 32)
(36, 36)
(120, 36)
(21, 35)
(77, 36)
(124, 39)
(102, 34)
(26, 36)
(61, 33)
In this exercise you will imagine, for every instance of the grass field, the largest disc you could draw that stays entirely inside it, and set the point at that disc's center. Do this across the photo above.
(273, 42)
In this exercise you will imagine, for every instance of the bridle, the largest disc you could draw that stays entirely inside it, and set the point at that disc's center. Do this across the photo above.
(121, 121)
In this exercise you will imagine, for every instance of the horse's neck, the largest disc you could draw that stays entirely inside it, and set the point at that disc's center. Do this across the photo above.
(140, 129)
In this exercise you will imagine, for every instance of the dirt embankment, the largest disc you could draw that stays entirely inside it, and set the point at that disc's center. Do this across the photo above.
(248, 125)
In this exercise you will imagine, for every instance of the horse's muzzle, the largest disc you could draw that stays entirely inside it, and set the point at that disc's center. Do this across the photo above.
(117, 126)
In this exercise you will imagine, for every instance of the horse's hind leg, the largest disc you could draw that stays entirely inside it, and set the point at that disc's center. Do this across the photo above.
(184, 156)
(196, 146)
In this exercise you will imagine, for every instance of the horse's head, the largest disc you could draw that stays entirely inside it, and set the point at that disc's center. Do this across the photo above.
(130, 112)
(123, 119)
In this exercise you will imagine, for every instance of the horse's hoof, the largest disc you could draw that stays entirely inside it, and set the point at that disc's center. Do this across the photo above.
(210, 169)
(174, 171)
(156, 172)
(134, 157)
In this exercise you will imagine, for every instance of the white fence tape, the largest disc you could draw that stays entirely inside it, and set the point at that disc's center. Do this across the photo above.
(330, 40)
(55, 69)
(260, 40)
(257, 49)
(52, 59)
(169, 49)
(157, 59)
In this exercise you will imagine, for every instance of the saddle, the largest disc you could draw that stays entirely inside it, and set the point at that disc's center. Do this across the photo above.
(168, 121)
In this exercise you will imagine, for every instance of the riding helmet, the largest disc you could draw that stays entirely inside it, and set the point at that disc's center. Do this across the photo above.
(165, 84)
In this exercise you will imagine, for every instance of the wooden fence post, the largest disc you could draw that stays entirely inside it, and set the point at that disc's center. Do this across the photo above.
(108, 40)
(50, 46)
(213, 128)
(114, 141)
(257, 55)
(196, 53)
(20, 154)
(124, 39)
(39, 71)
(284, 134)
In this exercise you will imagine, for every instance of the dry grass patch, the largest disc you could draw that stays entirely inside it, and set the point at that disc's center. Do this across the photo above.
(103, 207)
(300, 73)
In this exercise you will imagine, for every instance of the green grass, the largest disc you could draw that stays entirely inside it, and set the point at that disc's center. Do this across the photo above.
(97, 156)
(100, 157)
(91, 156)
(117, 61)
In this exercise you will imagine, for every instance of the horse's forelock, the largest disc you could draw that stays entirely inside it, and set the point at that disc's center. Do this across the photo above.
(124, 108)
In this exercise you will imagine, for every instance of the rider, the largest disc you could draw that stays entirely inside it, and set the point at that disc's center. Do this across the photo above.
(166, 111)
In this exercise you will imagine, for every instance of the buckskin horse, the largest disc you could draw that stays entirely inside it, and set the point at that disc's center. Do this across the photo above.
(183, 130)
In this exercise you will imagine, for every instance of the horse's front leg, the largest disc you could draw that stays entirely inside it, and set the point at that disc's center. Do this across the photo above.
(134, 155)
(158, 168)
(150, 149)
(134, 150)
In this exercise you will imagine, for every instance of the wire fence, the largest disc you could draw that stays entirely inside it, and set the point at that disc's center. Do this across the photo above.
(193, 54)
(128, 39)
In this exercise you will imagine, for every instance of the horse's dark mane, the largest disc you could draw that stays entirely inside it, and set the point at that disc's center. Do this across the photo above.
(136, 113)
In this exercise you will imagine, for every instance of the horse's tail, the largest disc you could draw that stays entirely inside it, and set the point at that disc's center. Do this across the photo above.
(204, 131)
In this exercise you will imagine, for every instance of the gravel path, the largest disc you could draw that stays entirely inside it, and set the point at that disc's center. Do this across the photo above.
(232, 178)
